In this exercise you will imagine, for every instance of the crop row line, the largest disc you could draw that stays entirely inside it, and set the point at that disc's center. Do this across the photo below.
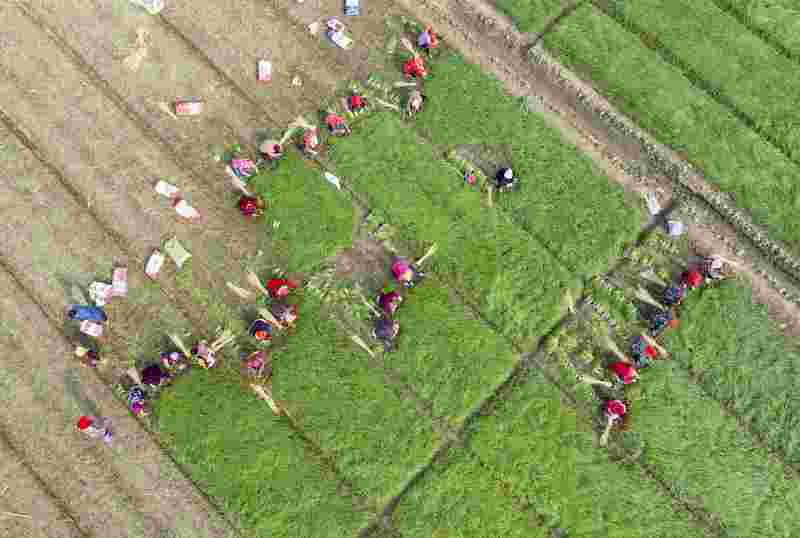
(612, 10)
(551, 25)
(686, 178)
(120, 103)
(728, 7)
(149, 131)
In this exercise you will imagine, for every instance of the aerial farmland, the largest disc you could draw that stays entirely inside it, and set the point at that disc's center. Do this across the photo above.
(199, 268)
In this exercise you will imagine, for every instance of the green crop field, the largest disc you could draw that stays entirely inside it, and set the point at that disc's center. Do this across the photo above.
(707, 87)
(366, 433)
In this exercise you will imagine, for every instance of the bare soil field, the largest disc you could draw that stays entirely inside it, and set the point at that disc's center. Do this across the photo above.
(84, 136)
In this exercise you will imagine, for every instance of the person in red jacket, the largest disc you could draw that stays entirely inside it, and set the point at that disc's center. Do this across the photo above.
(95, 428)
(415, 67)
(356, 103)
(692, 279)
(336, 125)
(280, 287)
(252, 207)
(626, 373)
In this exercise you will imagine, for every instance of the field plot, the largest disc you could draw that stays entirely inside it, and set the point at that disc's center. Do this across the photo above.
(517, 284)
(744, 362)
(660, 97)
(376, 437)
(254, 463)
(776, 21)
(310, 219)
(538, 445)
(565, 201)
(451, 359)
(460, 497)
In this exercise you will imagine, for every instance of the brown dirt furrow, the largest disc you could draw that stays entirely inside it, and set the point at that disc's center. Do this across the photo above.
(29, 509)
(50, 392)
(111, 165)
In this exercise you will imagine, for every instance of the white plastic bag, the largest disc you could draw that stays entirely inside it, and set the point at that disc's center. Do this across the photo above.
(333, 180)
(152, 6)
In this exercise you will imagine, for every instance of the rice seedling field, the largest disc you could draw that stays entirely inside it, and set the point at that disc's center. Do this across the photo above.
(701, 80)
(481, 422)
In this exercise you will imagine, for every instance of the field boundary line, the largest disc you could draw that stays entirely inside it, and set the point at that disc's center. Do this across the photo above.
(728, 7)
(551, 25)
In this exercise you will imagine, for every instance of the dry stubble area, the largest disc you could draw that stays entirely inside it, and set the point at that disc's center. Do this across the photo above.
(84, 137)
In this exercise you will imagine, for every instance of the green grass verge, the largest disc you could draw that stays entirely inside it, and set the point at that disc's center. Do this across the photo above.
(376, 437)
(539, 446)
(314, 220)
(744, 361)
(778, 19)
(459, 498)
(499, 267)
(564, 200)
(530, 16)
(452, 360)
(660, 99)
(251, 462)
(745, 72)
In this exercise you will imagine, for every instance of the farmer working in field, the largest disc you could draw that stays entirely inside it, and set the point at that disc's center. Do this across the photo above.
(505, 180)
(271, 150)
(174, 362)
(692, 279)
(662, 320)
(261, 330)
(95, 428)
(389, 302)
(625, 373)
(88, 357)
(415, 101)
(615, 412)
(356, 103)
(87, 313)
(252, 207)
(385, 331)
(257, 365)
(674, 294)
(415, 66)
(280, 287)
(406, 274)
(428, 40)
(336, 125)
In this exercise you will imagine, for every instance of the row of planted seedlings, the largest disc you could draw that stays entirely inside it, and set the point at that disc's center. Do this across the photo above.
(665, 101)
(674, 426)
(249, 454)
(384, 221)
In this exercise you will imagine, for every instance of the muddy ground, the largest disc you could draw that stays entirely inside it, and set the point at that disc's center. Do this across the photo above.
(84, 135)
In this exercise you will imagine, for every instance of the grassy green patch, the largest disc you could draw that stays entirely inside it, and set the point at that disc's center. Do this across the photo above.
(538, 445)
(530, 15)
(517, 284)
(459, 498)
(250, 461)
(752, 76)
(564, 201)
(744, 361)
(451, 359)
(663, 101)
(705, 455)
(314, 220)
(376, 437)
(778, 19)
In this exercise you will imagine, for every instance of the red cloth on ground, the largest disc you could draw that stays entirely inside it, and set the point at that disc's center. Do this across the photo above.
(624, 370)
(275, 284)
